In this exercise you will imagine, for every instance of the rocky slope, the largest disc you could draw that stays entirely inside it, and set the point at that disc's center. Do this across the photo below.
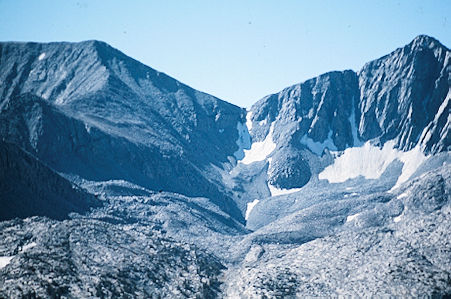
(397, 245)
(85, 257)
(405, 96)
(344, 180)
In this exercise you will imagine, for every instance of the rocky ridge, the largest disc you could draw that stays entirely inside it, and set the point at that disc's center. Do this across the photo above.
(177, 171)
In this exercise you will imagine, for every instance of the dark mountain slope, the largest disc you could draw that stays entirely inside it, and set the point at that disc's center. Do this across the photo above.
(405, 96)
(72, 147)
(29, 188)
(97, 114)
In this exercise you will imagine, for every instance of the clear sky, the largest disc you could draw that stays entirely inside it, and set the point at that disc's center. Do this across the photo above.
(237, 50)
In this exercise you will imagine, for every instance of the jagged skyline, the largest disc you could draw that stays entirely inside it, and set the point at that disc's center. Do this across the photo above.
(237, 51)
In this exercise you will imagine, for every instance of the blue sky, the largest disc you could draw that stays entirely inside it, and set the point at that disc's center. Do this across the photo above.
(238, 51)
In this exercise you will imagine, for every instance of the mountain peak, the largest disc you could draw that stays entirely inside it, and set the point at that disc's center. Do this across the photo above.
(425, 41)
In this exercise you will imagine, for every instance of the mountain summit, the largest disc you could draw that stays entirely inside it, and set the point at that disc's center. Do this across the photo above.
(92, 112)
(401, 98)
(129, 183)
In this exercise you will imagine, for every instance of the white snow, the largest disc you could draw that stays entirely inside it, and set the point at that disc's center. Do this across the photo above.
(442, 107)
(370, 162)
(4, 260)
(397, 218)
(28, 246)
(351, 217)
(250, 206)
(412, 160)
(426, 134)
(260, 150)
(42, 56)
(402, 195)
(87, 127)
(318, 147)
(249, 121)
(243, 142)
(351, 195)
(276, 191)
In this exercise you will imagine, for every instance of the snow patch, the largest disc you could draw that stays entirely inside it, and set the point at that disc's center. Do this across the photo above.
(5, 260)
(28, 246)
(276, 191)
(397, 218)
(87, 128)
(412, 160)
(260, 150)
(353, 194)
(426, 134)
(249, 121)
(442, 107)
(318, 147)
(243, 142)
(42, 56)
(371, 161)
(351, 217)
(402, 195)
(250, 206)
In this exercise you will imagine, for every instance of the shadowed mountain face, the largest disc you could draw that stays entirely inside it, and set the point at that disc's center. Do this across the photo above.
(88, 110)
(343, 180)
(29, 188)
(405, 96)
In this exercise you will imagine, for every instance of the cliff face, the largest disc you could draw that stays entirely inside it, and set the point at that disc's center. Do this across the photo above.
(403, 96)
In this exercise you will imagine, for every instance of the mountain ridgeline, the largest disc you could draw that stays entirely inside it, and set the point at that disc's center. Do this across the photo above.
(403, 96)
(92, 113)
(89, 111)
(131, 184)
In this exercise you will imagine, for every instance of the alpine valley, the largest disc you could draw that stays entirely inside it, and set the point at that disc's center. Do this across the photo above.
(118, 181)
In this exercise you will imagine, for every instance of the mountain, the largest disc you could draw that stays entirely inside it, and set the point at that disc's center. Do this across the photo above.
(141, 186)
(405, 96)
(29, 188)
(402, 98)
(389, 244)
(88, 110)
